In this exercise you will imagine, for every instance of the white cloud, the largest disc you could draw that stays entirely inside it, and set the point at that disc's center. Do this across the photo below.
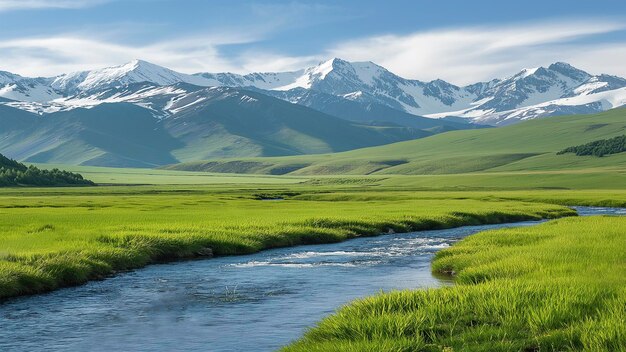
(268, 62)
(9, 5)
(458, 55)
(48, 56)
(466, 55)
(599, 58)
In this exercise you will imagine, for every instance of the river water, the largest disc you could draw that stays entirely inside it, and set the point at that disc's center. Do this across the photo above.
(255, 302)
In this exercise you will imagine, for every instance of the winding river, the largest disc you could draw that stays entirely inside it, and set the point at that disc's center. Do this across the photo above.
(256, 302)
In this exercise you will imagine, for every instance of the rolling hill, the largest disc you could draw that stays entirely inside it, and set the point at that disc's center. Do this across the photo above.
(528, 146)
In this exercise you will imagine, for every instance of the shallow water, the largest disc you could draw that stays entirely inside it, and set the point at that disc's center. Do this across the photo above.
(256, 302)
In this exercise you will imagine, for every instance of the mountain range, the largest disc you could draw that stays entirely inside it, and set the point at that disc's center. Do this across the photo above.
(142, 114)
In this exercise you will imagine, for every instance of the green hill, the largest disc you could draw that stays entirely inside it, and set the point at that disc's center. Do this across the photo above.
(527, 146)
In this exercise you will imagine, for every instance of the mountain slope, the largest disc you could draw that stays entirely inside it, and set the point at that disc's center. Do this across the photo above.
(531, 145)
(203, 123)
(109, 134)
(250, 123)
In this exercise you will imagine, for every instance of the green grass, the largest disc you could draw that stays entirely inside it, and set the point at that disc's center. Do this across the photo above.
(51, 238)
(592, 178)
(527, 146)
(560, 286)
(142, 176)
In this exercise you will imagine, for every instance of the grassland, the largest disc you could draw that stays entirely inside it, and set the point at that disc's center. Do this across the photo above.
(607, 178)
(143, 176)
(51, 238)
(528, 146)
(559, 286)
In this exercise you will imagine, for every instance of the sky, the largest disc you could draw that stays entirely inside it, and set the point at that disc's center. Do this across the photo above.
(459, 41)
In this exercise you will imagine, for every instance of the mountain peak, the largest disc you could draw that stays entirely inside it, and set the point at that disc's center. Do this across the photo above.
(561, 65)
(325, 67)
(141, 63)
(8, 77)
(335, 61)
(135, 71)
(570, 71)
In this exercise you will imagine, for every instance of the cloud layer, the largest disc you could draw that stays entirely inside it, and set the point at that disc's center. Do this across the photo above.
(466, 55)
(459, 55)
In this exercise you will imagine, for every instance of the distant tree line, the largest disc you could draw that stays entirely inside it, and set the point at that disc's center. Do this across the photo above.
(599, 148)
(13, 173)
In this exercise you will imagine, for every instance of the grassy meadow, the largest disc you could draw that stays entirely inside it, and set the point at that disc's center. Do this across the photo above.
(56, 237)
(139, 176)
(559, 286)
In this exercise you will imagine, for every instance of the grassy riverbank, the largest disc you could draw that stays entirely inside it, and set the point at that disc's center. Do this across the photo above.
(554, 287)
(50, 238)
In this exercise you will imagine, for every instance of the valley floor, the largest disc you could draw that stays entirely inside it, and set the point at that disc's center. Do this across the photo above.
(56, 237)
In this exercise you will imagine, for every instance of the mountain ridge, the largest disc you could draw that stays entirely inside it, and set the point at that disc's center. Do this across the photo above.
(531, 93)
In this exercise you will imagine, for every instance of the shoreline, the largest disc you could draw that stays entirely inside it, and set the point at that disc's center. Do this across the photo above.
(183, 254)
(498, 301)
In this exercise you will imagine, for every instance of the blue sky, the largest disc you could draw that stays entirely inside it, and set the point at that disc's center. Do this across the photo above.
(460, 41)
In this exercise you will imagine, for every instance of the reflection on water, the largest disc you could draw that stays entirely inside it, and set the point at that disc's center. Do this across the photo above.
(246, 303)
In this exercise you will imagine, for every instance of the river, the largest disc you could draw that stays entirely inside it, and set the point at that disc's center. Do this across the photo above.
(255, 302)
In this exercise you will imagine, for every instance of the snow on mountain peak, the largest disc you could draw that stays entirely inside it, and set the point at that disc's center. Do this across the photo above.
(8, 77)
(135, 71)
(323, 69)
(527, 72)
(569, 71)
(153, 86)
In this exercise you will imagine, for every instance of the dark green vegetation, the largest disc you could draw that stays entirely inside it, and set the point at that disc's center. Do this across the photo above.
(555, 287)
(525, 147)
(224, 122)
(51, 238)
(599, 148)
(13, 173)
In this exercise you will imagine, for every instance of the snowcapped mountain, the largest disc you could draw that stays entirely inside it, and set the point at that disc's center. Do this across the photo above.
(8, 77)
(29, 91)
(558, 89)
(358, 81)
(141, 114)
(136, 71)
(531, 93)
(18, 88)
(361, 90)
